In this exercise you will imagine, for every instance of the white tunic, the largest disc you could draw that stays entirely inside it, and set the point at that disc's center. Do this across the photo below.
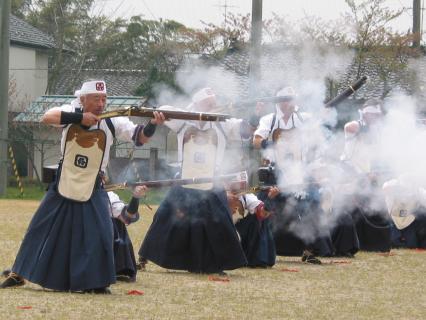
(116, 204)
(360, 153)
(250, 202)
(225, 131)
(265, 123)
(124, 129)
(404, 190)
(266, 129)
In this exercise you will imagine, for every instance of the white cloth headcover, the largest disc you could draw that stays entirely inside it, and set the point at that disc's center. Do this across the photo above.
(90, 87)
(202, 95)
(287, 92)
(372, 109)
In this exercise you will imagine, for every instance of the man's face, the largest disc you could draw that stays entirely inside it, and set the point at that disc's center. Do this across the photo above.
(287, 106)
(94, 103)
(206, 105)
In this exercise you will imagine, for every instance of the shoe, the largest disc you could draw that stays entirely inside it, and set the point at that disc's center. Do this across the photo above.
(142, 264)
(349, 255)
(124, 278)
(222, 273)
(6, 272)
(12, 280)
(310, 258)
(105, 290)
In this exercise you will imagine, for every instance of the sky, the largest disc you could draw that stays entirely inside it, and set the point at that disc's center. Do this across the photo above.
(192, 12)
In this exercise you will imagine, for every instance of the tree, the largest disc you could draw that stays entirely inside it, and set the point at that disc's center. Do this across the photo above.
(65, 21)
(365, 29)
(216, 40)
(20, 7)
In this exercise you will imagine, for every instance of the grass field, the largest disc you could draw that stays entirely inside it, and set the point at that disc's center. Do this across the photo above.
(35, 192)
(371, 286)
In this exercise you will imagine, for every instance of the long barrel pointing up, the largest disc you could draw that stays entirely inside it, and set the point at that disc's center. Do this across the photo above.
(345, 94)
(332, 103)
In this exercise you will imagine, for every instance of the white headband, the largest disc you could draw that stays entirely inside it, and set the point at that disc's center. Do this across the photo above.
(287, 92)
(372, 109)
(90, 87)
(202, 95)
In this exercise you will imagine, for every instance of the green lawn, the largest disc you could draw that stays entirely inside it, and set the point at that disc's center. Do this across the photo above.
(34, 192)
(371, 286)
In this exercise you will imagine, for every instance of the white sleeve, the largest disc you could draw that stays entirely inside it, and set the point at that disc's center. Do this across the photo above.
(264, 128)
(116, 204)
(124, 128)
(251, 202)
(174, 124)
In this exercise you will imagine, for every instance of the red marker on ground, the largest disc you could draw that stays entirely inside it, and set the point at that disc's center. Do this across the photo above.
(135, 293)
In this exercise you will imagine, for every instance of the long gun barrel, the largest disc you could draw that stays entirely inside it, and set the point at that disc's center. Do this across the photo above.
(239, 179)
(260, 188)
(252, 102)
(347, 93)
(332, 103)
(136, 111)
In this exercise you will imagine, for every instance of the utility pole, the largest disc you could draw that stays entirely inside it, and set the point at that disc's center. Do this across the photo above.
(417, 32)
(225, 7)
(4, 90)
(255, 46)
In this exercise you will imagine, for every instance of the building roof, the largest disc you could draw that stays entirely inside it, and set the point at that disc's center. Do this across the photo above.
(38, 107)
(118, 82)
(22, 33)
(292, 66)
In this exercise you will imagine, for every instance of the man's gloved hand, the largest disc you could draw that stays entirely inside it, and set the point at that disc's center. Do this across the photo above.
(139, 191)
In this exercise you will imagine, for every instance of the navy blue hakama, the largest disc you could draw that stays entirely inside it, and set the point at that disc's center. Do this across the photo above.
(296, 228)
(257, 241)
(413, 236)
(124, 256)
(344, 236)
(373, 229)
(192, 230)
(68, 245)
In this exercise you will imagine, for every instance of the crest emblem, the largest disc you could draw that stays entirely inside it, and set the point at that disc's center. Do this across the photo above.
(100, 86)
(81, 161)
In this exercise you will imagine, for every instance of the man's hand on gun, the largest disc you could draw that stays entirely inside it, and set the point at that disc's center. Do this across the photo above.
(159, 118)
(131, 214)
(89, 119)
(273, 192)
(139, 191)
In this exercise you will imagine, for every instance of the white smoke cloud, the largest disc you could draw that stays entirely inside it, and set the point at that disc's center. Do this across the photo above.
(400, 143)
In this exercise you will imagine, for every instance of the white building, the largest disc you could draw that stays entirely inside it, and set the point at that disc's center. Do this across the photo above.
(28, 63)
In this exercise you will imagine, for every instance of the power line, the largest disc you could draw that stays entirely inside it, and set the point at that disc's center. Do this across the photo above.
(225, 6)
